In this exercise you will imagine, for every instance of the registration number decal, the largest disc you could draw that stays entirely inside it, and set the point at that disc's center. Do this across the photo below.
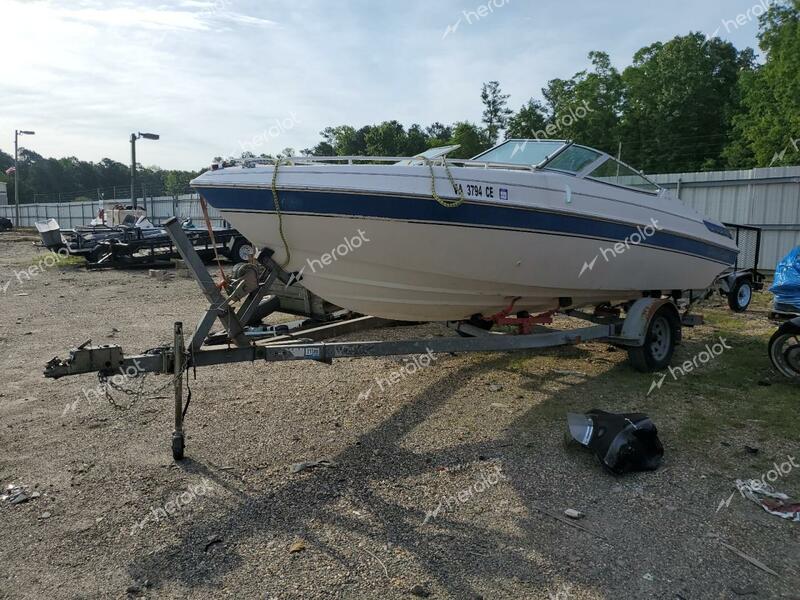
(475, 191)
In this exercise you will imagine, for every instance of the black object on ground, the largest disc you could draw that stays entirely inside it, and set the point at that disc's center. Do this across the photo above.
(622, 442)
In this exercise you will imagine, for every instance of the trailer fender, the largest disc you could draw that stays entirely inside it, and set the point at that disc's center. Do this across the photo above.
(638, 317)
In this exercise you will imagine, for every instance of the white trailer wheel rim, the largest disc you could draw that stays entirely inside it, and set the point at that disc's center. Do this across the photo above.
(744, 295)
(661, 337)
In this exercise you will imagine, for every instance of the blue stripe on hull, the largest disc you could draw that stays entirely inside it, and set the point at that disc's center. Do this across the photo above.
(471, 214)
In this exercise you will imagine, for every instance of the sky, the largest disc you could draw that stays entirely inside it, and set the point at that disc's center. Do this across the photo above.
(217, 77)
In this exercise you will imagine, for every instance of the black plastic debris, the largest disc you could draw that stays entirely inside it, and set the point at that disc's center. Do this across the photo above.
(623, 442)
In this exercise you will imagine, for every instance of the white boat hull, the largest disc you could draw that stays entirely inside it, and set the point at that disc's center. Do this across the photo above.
(423, 270)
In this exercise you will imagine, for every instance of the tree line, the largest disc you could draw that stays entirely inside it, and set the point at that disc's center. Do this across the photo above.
(692, 103)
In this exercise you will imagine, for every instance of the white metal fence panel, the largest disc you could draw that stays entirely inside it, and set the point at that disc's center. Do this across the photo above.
(72, 214)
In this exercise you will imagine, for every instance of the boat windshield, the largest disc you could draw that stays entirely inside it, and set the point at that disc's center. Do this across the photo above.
(521, 152)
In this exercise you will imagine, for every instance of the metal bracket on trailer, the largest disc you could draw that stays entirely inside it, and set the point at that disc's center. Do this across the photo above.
(637, 320)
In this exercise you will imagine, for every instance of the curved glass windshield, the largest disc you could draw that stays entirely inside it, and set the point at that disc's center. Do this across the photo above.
(616, 173)
(521, 152)
(574, 159)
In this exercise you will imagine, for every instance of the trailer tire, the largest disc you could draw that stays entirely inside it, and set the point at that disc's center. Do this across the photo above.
(784, 350)
(663, 333)
(241, 251)
(741, 295)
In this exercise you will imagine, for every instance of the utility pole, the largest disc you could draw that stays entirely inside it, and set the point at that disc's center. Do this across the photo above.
(17, 133)
(133, 169)
(134, 137)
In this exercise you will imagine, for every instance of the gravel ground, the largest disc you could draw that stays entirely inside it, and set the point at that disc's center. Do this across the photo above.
(481, 437)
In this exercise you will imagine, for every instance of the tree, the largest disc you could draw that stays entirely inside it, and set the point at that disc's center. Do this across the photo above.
(438, 134)
(767, 130)
(387, 139)
(587, 107)
(529, 122)
(496, 111)
(471, 138)
(416, 140)
(680, 99)
(177, 183)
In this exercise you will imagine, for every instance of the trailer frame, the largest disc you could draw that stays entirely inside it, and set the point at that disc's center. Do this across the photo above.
(307, 340)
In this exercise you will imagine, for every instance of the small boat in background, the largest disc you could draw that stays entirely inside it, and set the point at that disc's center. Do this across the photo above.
(537, 225)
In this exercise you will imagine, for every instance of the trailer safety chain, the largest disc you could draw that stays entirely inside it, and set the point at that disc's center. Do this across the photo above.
(277, 203)
(135, 395)
(444, 202)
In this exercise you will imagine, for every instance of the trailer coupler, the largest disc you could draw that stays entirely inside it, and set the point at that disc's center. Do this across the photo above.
(108, 360)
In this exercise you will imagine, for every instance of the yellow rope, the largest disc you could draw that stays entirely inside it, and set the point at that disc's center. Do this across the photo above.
(277, 203)
(437, 197)
(444, 202)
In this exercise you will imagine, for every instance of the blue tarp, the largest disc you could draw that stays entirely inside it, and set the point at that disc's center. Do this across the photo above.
(786, 286)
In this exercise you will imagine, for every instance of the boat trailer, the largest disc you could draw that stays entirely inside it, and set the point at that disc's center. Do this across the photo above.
(649, 330)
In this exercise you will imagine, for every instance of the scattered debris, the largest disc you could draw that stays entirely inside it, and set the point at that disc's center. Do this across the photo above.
(297, 546)
(499, 405)
(45, 515)
(648, 577)
(569, 522)
(419, 591)
(494, 387)
(213, 540)
(622, 442)
(775, 503)
(17, 494)
(566, 373)
(373, 555)
(750, 559)
(747, 590)
(574, 514)
(310, 464)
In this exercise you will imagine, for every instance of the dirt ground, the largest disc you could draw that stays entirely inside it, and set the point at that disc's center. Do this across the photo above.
(449, 483)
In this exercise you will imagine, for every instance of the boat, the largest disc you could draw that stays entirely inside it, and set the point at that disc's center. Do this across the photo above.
(529, 226)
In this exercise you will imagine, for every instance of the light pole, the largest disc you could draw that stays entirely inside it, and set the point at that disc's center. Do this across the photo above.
(17, 133)
(134, 137)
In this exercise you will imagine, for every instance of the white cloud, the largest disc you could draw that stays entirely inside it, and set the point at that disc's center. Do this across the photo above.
(207, 74)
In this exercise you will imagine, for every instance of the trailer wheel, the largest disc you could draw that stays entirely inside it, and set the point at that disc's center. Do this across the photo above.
(740, 296)
(784, 350)
(663, 332)
(241, 251)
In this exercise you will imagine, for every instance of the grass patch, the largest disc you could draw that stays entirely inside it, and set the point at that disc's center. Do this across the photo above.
(52, 260)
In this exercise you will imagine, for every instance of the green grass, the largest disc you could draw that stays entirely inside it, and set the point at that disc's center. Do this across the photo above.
(737, 395)
(60, 262)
